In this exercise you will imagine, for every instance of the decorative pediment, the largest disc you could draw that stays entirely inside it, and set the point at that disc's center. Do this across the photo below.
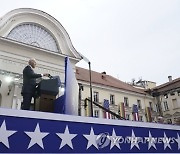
(37, 28)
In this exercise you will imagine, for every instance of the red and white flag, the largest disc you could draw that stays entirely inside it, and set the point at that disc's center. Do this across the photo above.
(135, 112)
(106, 105)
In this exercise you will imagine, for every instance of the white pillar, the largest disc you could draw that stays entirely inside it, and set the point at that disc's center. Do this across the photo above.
(16, 102)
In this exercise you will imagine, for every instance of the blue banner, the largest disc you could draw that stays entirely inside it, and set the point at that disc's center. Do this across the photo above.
(39, 132)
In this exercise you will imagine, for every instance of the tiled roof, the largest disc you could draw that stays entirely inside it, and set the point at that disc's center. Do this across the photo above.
(174, 84)
(105, 80)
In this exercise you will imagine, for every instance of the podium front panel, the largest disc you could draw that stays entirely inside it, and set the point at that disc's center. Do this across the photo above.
(49, 87)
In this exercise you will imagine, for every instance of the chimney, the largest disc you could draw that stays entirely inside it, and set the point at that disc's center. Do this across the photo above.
(103, 75)
(170, 78)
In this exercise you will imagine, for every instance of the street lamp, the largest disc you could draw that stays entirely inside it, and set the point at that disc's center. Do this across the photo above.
(90, 81)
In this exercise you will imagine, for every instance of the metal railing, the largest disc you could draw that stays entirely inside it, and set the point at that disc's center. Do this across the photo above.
(106, 110)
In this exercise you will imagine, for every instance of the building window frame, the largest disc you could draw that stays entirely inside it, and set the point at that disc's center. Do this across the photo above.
(157, 108)
(96, 96)
(169, 121)
(96, 113)
(127, 116)
(166, 107)
(151, 106)
(112, 99)
(139, 104)
(126, 102)
(175, 103)
(141, 118)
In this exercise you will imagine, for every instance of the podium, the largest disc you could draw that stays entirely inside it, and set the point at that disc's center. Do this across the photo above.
(48, 90)
(49, 87)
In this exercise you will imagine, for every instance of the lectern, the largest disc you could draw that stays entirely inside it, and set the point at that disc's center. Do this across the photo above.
(48, 89)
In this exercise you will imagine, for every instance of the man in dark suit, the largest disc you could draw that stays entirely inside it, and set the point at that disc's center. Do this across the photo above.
(29, 83)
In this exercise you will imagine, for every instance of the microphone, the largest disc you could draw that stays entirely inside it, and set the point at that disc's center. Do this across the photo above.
(49, 75)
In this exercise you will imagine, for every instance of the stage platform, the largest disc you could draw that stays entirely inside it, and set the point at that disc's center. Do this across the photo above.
(41, 132)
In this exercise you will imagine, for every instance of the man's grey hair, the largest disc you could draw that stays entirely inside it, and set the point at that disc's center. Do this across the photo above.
(32, 60)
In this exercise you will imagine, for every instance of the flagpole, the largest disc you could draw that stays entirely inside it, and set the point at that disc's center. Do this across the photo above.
(90, 82)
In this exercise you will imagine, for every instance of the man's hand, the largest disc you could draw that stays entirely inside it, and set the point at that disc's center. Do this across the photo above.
(46, 74)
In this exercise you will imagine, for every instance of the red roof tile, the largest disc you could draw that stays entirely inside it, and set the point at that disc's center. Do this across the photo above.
(106, 80)
(174, 84)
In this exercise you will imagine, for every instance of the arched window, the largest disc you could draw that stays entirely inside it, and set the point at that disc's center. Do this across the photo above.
(33, 34)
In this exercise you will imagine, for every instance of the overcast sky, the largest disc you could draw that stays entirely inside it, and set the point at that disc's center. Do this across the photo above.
(126, 38)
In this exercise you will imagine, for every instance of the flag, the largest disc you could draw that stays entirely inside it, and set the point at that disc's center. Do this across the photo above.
(122, 110)
(148, 114)
(68, 103)
(135, 112)
(106, 105)
(71, 90)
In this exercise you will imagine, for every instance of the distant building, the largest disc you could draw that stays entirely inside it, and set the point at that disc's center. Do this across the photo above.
(143, 84)
(167, 100)
(106, 87)
(163, 100)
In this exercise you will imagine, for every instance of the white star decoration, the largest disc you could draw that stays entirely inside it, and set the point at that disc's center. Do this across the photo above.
(166, 141)
(134, 140)
(115, 140)
(66, 138)
(5, 134)
(91, 139)
(151, 141)
(178, 141)
(36, 137)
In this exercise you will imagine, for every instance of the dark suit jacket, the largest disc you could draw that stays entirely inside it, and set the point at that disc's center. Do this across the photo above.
(29, 80)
